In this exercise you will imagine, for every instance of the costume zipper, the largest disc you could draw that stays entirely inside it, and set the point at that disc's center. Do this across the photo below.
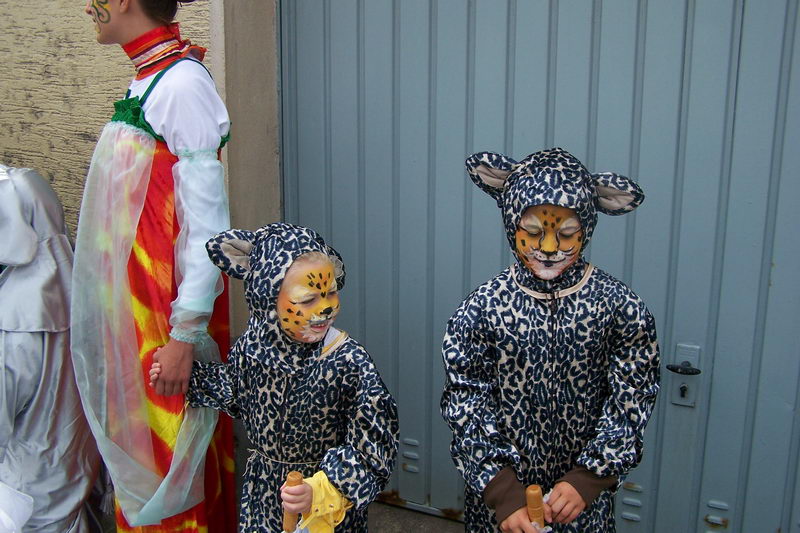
(283, 418)
(553, 327)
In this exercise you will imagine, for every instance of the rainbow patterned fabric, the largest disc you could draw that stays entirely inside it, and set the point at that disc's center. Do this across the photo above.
(150, 271)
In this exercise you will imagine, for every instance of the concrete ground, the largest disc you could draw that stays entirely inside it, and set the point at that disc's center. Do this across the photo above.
(385, 518)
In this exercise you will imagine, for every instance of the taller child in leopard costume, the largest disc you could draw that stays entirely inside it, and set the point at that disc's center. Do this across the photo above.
(552, 366)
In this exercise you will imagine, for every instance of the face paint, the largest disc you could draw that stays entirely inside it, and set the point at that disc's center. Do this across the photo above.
(548, 239)
(99, 11)
(308, 300)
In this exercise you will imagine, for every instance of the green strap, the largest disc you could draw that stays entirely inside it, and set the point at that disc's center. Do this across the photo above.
(146, 125)
(153, 83)
(160, 74)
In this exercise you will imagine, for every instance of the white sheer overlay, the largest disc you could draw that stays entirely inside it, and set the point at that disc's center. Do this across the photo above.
(104, 345)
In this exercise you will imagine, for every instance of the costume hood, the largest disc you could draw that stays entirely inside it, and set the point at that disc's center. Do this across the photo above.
(262, 258)
(554, 177)
(37, 254)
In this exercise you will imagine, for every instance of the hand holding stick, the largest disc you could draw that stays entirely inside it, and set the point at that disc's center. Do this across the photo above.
(533, 497)
(293, 479)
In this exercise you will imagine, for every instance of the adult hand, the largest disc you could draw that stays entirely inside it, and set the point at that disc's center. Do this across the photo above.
(564, 504)
(175, 359)
(518, 522)
(297, 499)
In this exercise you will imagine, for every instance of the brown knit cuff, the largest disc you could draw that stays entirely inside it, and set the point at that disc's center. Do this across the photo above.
(504, 493)
(588, 484)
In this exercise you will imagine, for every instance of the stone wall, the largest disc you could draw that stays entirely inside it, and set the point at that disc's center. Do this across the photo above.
(58, 86)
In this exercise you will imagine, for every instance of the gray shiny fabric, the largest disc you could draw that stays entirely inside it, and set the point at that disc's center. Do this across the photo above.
(46, 448)
(37, 253)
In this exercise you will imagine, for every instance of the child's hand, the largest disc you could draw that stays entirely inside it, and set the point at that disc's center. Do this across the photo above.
(297, 499)
(564, 504)
(155, 370)
(518, 522)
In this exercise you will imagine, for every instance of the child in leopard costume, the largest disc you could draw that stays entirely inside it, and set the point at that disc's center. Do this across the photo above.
(552, 366)
(310, 396)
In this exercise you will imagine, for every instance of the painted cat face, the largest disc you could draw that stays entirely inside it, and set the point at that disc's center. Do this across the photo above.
(308, 300)
(549, 239)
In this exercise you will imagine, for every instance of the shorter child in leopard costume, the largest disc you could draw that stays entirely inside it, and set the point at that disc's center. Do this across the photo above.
(552, 366)
(310, 396)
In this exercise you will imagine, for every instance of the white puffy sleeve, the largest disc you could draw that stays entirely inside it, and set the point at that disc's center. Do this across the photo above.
(186, 110)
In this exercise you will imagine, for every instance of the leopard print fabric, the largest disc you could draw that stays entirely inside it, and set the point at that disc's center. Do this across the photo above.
(303, 408)
(543, 376)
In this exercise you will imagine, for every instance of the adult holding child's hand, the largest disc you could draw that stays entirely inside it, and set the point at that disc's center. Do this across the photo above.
(144, 290)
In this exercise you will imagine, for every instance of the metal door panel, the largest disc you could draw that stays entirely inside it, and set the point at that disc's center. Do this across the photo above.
(774, 439)
(705, 95)
(784, 301)
(488, 61)
(412, 160)
(618, 111)
(529, 120)
(657, 224)
(374, 147)
(574, 75)
(744, 266)
(383, 100)
(450, 23)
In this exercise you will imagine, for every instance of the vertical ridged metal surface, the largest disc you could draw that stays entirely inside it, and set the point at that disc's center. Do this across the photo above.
(699, 101)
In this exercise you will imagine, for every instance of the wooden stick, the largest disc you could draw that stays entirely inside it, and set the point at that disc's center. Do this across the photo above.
(533, 497)
(293, 479)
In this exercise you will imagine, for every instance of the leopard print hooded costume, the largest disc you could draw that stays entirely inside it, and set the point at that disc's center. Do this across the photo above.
(546, 376)
(306, 407)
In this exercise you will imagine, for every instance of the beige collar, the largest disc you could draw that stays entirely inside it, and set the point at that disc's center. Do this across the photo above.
(333, 339)
(555, 294)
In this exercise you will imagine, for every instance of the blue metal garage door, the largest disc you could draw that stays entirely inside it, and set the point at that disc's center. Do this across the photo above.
(699, 100)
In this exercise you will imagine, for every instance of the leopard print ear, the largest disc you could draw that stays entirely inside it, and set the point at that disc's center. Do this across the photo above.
(230, 251)
(489, 171)
(615, 194)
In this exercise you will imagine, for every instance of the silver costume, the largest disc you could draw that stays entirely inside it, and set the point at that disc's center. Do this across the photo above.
(46, 449)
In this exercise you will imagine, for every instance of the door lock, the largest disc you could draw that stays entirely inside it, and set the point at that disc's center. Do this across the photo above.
(685, 369)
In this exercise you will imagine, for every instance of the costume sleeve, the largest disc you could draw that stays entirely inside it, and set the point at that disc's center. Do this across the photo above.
(469, 402)
(360, 468)
(633, 381)
(216, 385)
(186, 110)
(202, 209)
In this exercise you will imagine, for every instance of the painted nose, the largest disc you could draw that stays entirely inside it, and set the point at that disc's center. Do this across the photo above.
(327, 311)
(549, 243)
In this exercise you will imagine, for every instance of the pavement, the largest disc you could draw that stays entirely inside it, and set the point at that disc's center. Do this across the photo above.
(385, 518)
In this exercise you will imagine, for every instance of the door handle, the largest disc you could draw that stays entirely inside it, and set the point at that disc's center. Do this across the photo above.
(685, 369)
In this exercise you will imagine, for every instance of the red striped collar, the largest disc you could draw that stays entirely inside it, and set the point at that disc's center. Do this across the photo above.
(158, 48)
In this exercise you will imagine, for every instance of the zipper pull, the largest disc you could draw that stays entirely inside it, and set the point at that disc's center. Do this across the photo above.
(553, 302)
